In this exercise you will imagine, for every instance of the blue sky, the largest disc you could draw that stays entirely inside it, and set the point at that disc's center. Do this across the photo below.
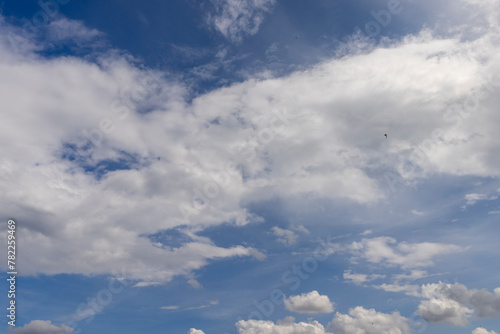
(222, 166)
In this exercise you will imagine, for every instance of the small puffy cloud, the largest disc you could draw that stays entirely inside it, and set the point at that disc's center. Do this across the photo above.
(236, 18)
(311, 302)
(455, 304)
(286, 326)
(481, 330)
(42, 327)
(286, 237)
(387, 251)
(360, 278)
(363, 321)
(195, 331)
(194, 283)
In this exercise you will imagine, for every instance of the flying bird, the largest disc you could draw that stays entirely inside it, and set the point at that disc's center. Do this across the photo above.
(385, 134)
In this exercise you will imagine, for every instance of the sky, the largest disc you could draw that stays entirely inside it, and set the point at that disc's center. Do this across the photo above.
(251, 166)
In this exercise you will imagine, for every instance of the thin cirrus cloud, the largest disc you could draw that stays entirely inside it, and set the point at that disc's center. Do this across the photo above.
(309, 303)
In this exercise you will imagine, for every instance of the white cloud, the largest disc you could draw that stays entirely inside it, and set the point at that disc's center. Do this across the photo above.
(194, 283)
(481, 330)
(409, 289)
(236, 18)
(311, 302)
(360, 320)
(195, 331)
(387, 251)
(360, 278)
(444, 310)
(474, 198)
(455, 304)
(274, 130)
(301, 229)
(413, 275)
(41, 327)
(417, 213)
(64, 29)
(171, 307)
(286, 237)
(286, 326)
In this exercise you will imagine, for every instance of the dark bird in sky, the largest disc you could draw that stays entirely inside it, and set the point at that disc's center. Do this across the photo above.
(385, 134)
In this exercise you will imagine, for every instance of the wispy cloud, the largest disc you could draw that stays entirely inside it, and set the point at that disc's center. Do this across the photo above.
(235, 19)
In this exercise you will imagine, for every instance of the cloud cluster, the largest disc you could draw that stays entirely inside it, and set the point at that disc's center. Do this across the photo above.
(456, 304)
(286, 326)
(359, 320)
(310, 303)
(104, 154)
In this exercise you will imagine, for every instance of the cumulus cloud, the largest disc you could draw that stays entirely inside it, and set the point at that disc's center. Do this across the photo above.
(235, 19)
(311, 302)
(481, 330)
(286, 326)
(455, 304)
(360, 320)
(387, 251)
(41, 327)
(195, 331)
